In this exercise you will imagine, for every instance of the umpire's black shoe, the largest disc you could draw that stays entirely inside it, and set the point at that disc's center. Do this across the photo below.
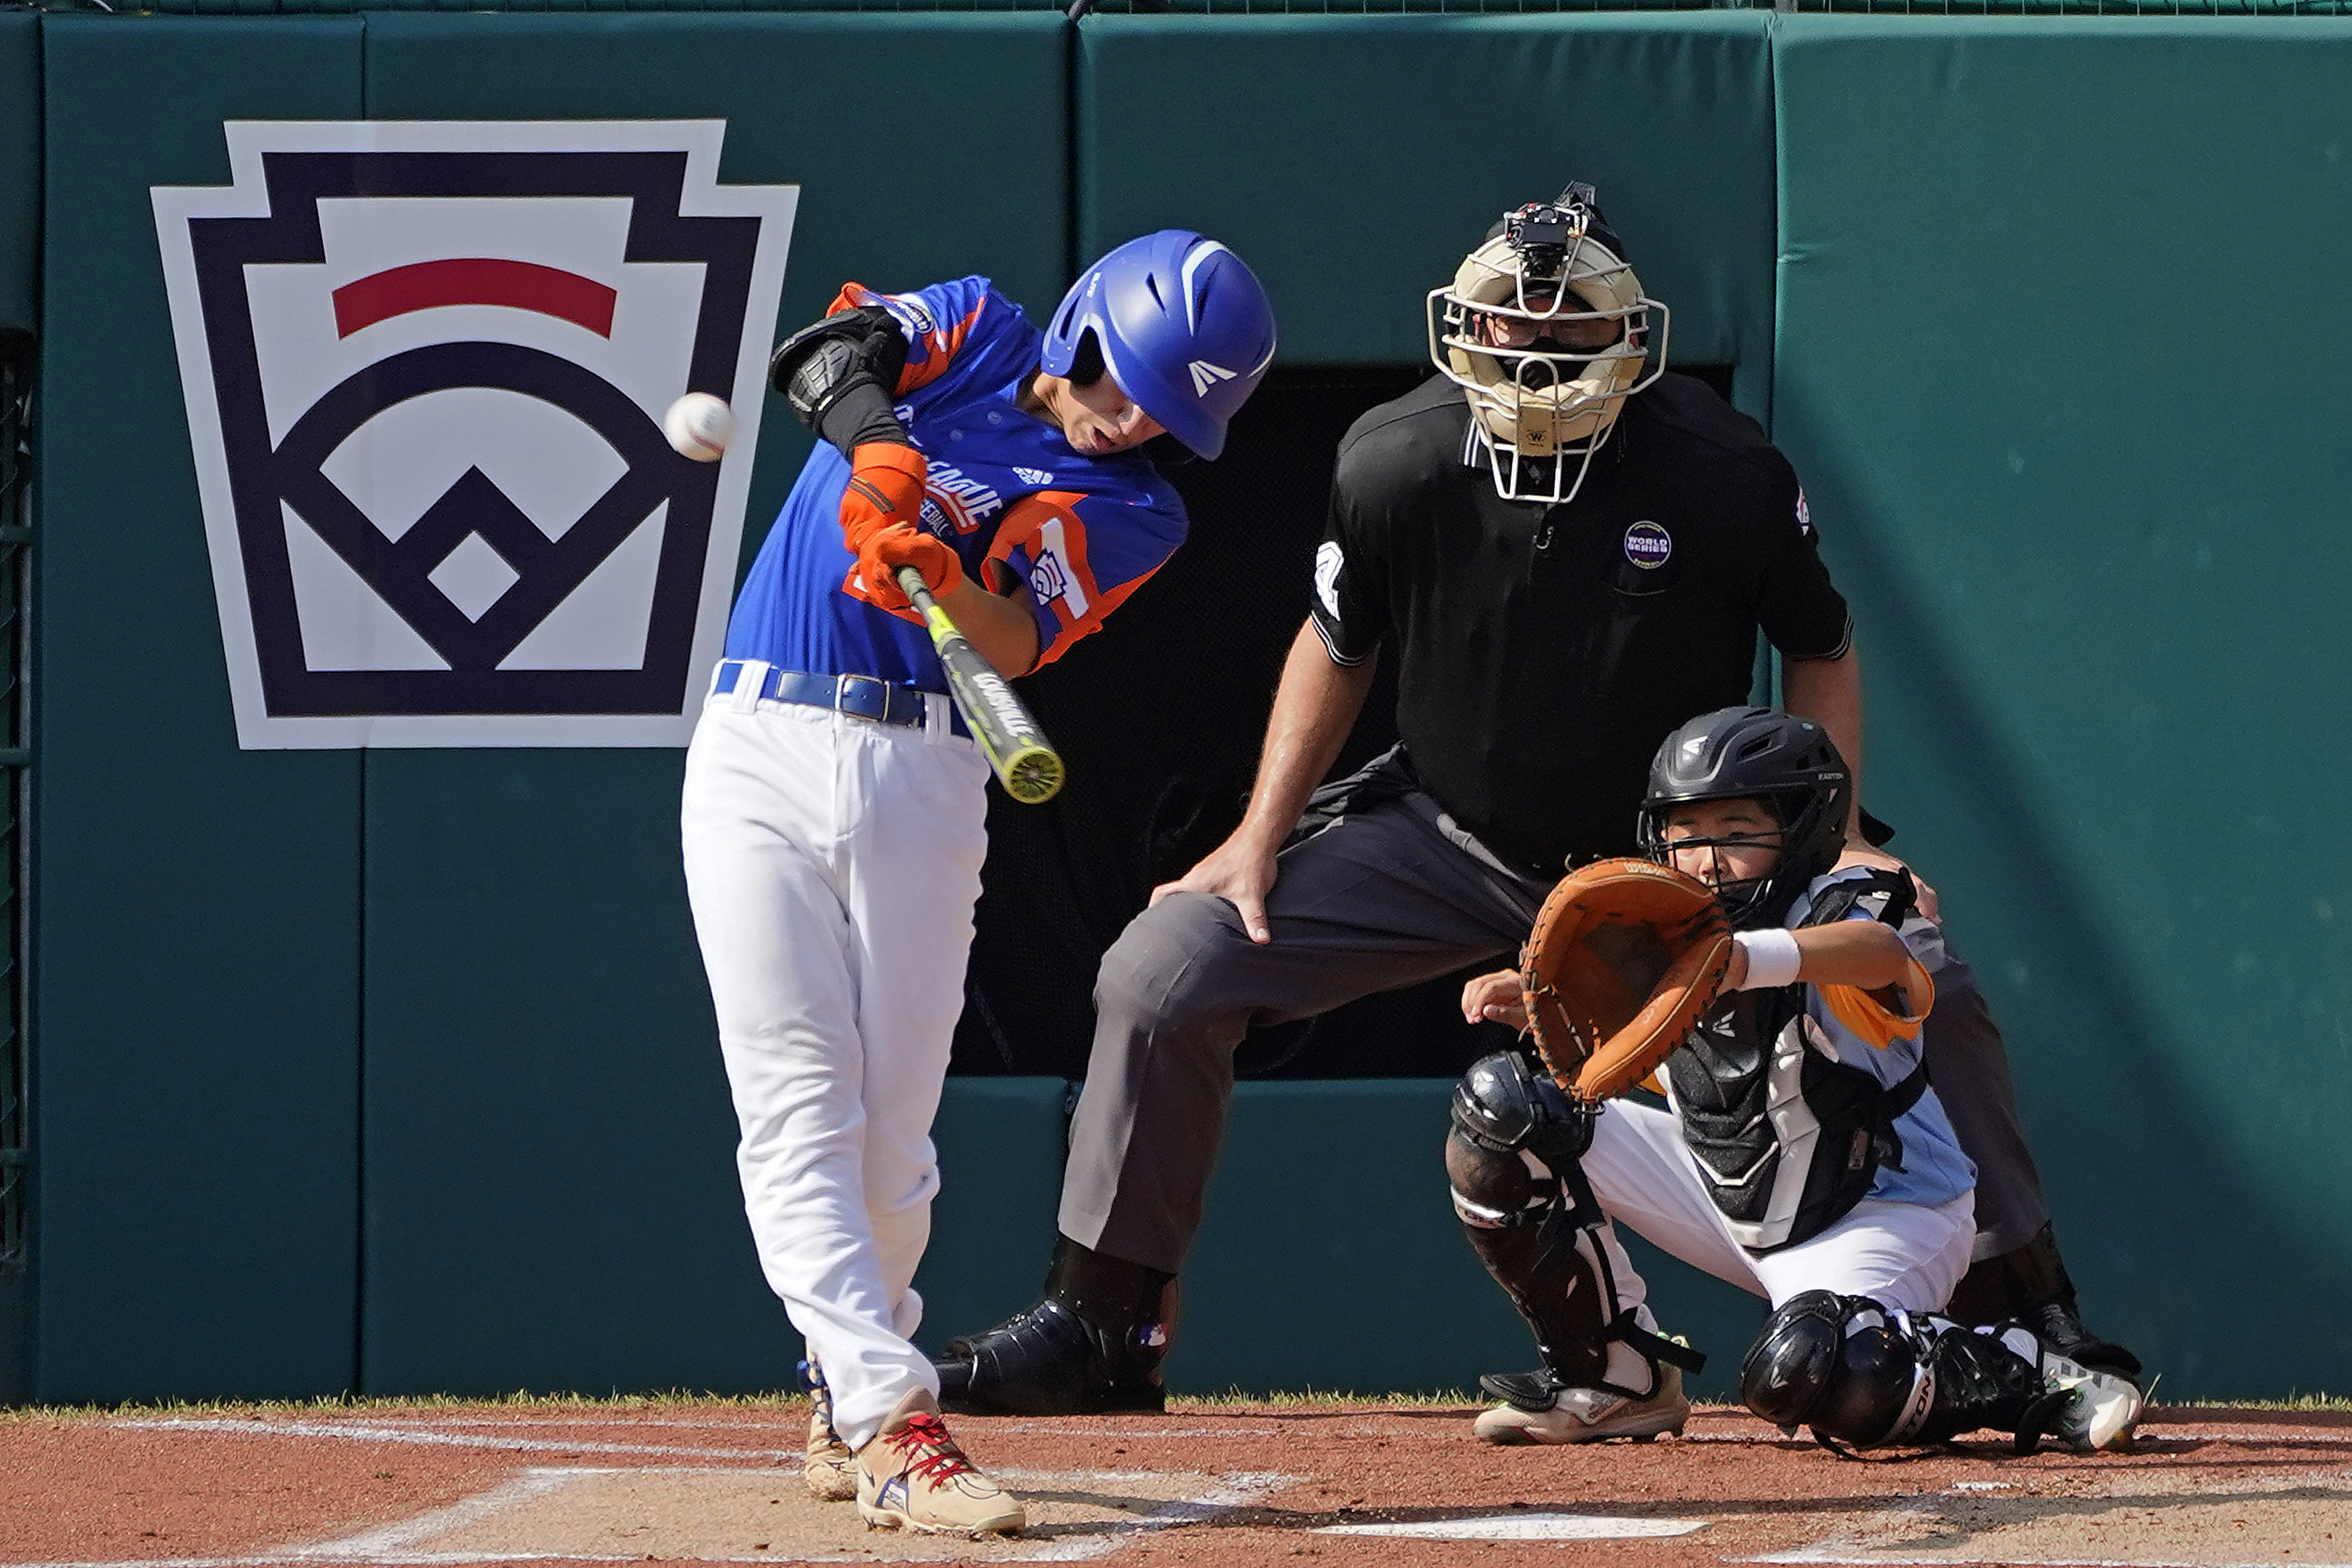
(2029, 1285)
(1092, 1345)
(2059, 1327)
(1047, 1361)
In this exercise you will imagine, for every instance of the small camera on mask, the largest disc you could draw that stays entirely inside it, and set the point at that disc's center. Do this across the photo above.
(1542, 233)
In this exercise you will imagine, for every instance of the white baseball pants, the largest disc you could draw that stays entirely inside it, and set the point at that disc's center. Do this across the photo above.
(833, 863)
(1898, 1254)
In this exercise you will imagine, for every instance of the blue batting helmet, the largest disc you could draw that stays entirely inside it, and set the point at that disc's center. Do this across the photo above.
(1183, 327)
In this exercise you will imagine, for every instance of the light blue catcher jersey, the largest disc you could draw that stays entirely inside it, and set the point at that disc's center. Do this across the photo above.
(1013, 498)
(1935, 1170)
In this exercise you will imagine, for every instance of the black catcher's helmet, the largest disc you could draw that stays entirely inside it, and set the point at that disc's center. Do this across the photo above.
(1789, 762)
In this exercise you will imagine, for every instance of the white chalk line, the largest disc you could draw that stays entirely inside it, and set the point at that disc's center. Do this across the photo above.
(1230, 1493)
(1527, 1527)
(753, 1457)
(617, 1418)
(377, 1434)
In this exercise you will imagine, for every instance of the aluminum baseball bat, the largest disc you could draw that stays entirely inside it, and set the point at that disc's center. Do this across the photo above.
(1016, 746)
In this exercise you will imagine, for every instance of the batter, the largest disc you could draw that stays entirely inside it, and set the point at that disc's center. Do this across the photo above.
(834, 818)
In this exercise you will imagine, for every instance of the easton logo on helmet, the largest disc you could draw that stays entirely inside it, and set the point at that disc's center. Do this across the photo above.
(1206, 375)
(1648, 545)
(1156, 309)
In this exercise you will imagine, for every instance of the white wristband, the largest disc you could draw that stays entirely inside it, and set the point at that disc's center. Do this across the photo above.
(1773, 958)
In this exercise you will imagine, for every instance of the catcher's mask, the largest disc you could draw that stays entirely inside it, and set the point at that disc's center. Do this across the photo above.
(1789, 763)
(1546, 331)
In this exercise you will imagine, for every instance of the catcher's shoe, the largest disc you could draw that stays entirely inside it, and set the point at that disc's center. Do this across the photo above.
(831, 1467)
(913, 1477)
(1539, 1409)
(2092, 1411)
(1048, 1361)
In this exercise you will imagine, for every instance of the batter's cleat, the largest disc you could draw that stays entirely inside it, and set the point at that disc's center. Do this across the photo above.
(1047, 1361)
(1539, 1409)
(2089, 1410)
(831, 1467)
(913, 1477)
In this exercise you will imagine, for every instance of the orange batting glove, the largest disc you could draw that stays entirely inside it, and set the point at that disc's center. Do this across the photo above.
(886, 490)
(887, 549)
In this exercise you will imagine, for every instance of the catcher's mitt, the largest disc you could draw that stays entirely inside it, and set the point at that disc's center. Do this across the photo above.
(1625, 956)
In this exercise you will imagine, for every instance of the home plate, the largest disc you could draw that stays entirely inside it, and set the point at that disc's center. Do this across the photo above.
(1525, 1526)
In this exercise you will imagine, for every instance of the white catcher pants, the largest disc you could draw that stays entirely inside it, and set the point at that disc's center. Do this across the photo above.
(1898, 1254)
(833, 863)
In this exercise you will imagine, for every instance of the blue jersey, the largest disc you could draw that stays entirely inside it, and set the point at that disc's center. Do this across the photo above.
(1013, 499)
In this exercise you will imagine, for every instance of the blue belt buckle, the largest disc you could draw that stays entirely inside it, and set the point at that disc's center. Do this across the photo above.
(849, 697)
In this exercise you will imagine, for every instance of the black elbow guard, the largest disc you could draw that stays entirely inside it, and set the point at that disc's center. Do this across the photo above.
(847, 350)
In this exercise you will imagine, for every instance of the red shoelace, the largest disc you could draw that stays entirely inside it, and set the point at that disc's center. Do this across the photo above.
(931, 1455)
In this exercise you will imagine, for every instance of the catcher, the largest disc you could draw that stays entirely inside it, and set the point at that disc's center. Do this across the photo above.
(1800, 1153)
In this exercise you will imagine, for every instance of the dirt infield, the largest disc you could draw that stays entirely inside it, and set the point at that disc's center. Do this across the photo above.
(706, 1481)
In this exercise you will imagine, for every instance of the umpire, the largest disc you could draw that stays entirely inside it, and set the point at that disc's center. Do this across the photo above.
(1571, 552)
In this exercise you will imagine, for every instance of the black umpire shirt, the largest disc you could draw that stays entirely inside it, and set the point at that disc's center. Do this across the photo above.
(1545, 651)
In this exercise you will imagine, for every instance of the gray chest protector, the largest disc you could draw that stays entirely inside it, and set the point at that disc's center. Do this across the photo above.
(1788, 1138)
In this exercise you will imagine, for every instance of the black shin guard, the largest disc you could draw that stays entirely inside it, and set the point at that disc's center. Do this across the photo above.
(1515, 1224)
(1092, 1344)
(1863, 1376)
(1520, 1190)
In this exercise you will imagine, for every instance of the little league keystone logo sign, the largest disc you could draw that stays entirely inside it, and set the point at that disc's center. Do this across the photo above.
(424, 365)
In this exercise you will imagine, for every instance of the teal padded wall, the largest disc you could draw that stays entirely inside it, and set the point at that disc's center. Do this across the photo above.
(20, 165)
(1330, 1258)
(1353, 161)
(550, 1196)
(2090, 538)
(196, 978)
(1001, 1142)
(2062, 358)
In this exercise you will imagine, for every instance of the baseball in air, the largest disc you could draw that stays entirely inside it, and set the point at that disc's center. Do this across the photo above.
(699, 426)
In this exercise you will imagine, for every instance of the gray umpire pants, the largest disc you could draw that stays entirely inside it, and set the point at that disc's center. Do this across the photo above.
(1388, 894)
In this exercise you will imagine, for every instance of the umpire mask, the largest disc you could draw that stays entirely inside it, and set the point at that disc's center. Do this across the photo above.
(1546, 331)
